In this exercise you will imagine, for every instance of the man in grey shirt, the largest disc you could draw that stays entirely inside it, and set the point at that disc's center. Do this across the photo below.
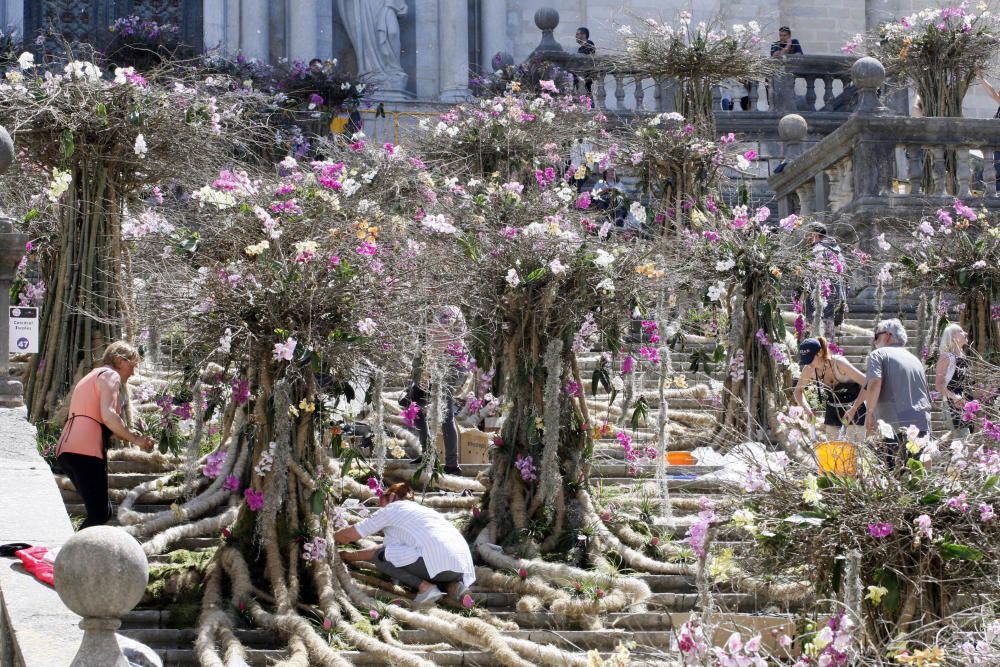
(896, 389)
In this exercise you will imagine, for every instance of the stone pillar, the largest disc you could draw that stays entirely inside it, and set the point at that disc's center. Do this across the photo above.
(453, 37)
(547, 20)
(300, 36)
(11, 251)
(867, 74)
(792, 128)
(493, 28)
(101, 574)
(254, 22)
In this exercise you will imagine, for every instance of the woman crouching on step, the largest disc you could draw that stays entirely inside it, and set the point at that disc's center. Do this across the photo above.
(420, 548)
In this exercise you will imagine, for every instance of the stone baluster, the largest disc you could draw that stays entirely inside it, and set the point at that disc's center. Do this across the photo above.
(640, 95)
(989, 172)
(600, 93)
(619, 91)
(810, 92)
(717, 98)
(940, 180)
(101, 574)
(915, 168)
(669, 96)
(657, 95)
(754, 94)
(11, 251)
(828, 95)
(964, 168)
(807, 198)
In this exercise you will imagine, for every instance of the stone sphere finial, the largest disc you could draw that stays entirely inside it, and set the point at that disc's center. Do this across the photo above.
(101, 574)
(792, 127)
(867, 73)
(546, 18)
(6, 150)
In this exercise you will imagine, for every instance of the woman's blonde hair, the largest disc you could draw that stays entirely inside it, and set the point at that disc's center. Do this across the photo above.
(948, 344)
(120, 350)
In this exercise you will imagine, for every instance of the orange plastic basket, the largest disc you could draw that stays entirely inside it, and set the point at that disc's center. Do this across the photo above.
(680, 459)
(837, 457)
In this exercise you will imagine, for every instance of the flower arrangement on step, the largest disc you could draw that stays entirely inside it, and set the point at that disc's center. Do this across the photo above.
(742, 264)
(552, 278)
(957, 254)
(100, 138)
(937, 51)
(679, 168)
(903, 550)
(697, 57)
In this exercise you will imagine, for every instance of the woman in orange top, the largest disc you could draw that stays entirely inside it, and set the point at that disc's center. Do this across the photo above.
(94, 416)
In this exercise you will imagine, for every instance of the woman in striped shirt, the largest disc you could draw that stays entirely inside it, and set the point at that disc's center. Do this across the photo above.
(420, 548)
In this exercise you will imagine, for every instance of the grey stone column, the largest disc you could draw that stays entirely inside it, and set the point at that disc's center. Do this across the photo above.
(300, 38)
(453, 38)
(254, 29)
(494, 31)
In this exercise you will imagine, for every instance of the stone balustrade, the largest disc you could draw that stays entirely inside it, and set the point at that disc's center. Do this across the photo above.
(805, 84)
(892, 165)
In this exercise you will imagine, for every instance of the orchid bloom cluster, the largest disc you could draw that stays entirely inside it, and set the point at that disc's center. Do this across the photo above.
(957, 249)
(938, 509)
(335, 233)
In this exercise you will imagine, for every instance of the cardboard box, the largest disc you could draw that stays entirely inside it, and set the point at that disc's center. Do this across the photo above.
(474, 446)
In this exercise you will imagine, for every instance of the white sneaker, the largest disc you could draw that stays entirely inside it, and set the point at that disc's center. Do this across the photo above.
(430, 596)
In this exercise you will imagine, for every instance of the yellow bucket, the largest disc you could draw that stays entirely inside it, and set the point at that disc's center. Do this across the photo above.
(838, 457)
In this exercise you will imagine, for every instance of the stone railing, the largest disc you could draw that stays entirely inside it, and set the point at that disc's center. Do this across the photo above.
(805, 84)
(892, 165)
(36, 627)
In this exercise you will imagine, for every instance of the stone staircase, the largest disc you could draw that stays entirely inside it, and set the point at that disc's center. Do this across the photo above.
(673, 595)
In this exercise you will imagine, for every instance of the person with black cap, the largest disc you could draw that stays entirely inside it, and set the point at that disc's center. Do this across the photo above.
(838, 386)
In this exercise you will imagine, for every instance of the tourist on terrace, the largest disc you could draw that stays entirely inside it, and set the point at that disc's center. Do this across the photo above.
(420, 548)
(95, 409)
(950, 376)
(895, 391)
(838, 387)
(586, 47)
(785, 46)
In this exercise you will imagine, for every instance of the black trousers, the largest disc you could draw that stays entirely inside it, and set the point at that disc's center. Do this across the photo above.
(448, 428)
(89, 475)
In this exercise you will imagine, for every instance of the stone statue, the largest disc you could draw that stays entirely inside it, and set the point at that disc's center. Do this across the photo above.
(373, 26)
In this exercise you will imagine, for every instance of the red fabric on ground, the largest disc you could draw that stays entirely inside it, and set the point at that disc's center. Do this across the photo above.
(34, 563)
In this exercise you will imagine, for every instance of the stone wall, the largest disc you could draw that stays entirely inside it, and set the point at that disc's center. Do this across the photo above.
(36, 629)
